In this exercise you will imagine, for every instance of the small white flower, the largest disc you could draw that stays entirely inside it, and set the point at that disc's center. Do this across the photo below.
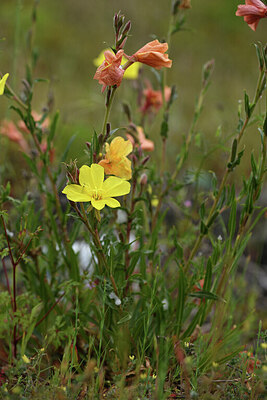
(220, 238)
(114, 297)
(118, 302)
(165, 304)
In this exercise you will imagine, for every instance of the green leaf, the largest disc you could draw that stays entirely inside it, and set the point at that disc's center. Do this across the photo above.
(124, 319)
(180, 301)
(232, 221)
(33, 319)
(63, 158)
(204, 295)
(234, 149)
(203, 228)
(202, 211)
(52, 129)
(253, 166)
(259, 55)
(247, 105)
(164, 126)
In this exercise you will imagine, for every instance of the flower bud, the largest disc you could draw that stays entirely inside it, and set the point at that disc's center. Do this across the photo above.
(143, 179)
(72, 172)
(145, 160)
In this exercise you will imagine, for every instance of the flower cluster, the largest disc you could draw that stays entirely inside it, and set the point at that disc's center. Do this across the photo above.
(111, 72)
(92, 187)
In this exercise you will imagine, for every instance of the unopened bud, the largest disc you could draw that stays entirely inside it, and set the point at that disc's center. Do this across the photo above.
(207, 71)
(143, 179)
(145, 160)
(127, 111)
(126, 28)
(100, 138)
(108, 129)
(72, 172)
(88, 145)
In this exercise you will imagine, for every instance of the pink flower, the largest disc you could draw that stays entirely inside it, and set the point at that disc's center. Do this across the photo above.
(153, 54)
(153, 98)
(110, 72)
(252, 12)
(9, 129)
(144, 143)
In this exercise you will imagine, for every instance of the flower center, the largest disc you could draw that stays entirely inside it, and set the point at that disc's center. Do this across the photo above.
(97, 194)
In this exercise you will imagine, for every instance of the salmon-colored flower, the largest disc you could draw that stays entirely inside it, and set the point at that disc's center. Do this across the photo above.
(37, 117)
(110, 72)
(153, 54)
(144, 143)
(9, 129)
(153, 98)
(116, 161)
(252, 11)
(130, 73)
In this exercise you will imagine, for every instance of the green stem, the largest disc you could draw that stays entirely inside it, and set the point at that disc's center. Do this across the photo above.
(108, 109)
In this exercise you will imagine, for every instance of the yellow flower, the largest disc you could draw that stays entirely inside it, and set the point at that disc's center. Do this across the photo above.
(26, 359)
(93, 188)
(130, 73)
(2, 83)
(115, 161)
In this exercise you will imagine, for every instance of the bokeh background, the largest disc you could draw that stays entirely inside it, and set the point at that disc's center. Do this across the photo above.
(70, 34)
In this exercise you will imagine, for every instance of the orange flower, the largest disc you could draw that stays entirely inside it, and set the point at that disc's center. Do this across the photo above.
(9, 129)
(153, 98)
(153, 54)
(252, 12)
(110, 73)
(116, 161)
(145, 143)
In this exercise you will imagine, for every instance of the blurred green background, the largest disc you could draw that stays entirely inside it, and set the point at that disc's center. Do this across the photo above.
(70, 34)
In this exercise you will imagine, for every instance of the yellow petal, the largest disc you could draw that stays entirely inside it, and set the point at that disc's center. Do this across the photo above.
(114, 187)
(130, 73)
(77, 193)
(85, 176)
(98, 204)
(2, 83)
(120, 148)
(91, 176)
(113, 203)
(98, 60)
